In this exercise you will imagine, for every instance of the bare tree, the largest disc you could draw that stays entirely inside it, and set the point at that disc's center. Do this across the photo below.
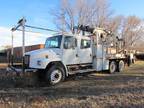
(102, 13)
(82, 12)
(63, 17)
(132, 30)
(97, 13)
(115, 24)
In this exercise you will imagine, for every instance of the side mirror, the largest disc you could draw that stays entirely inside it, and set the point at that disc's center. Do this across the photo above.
(66, 45)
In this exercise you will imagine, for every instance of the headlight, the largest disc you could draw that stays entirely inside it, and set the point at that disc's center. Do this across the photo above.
(46, 56)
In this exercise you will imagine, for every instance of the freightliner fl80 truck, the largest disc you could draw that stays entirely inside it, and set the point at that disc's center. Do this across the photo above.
(66, 54)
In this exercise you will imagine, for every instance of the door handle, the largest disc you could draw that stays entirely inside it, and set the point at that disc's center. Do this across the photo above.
(90, 55)
(77, 55)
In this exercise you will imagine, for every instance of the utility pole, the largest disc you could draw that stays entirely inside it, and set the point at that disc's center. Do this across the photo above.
(23, 49)
(12, 49)
(63, 23)
(22, 23)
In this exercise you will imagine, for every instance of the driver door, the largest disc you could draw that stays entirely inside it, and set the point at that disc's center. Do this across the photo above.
(70, 53)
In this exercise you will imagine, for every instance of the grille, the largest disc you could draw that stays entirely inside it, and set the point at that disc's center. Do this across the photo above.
(26, 61)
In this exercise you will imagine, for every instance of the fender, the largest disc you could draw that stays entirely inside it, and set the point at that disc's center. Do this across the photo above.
(58, 63)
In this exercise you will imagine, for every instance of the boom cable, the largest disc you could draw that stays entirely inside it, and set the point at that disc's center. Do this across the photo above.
(40, 28)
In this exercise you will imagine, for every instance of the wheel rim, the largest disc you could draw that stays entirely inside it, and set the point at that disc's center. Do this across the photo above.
(121, 66)
(112, 67)
(56, 76)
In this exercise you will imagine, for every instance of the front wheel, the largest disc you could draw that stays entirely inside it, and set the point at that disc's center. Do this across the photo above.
(55, 75)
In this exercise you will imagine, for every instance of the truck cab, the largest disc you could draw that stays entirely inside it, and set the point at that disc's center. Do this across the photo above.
(67, 53)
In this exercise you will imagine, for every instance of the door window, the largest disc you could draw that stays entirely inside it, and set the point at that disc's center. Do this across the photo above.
(85, 44)
(70, 42)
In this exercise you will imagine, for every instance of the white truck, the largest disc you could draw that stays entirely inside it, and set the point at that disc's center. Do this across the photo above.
(66, 54)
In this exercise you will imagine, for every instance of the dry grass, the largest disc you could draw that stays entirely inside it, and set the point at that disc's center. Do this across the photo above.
(121, 90)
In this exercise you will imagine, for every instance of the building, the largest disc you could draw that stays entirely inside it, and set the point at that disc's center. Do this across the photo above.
(18, 50)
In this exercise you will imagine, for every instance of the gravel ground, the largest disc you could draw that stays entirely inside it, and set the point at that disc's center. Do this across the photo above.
(95, 90)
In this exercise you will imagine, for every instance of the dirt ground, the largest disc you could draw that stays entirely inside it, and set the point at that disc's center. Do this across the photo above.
(95, 90)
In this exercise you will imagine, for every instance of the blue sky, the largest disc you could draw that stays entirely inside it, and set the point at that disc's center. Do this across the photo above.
(37, 13)
(128, 7)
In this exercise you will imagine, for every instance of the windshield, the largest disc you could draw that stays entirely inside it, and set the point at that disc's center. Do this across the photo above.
(53, 42)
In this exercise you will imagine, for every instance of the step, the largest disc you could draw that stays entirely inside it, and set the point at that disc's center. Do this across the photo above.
(82, 71)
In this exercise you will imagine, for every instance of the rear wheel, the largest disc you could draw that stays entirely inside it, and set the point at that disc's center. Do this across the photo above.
(55, 75)
(112, 67)
(121, 66)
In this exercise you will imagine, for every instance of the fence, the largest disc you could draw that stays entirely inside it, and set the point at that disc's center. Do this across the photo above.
(17, 57)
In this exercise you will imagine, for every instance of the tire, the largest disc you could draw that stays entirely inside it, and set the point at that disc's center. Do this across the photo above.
(133, 60)
(121, 66)
(112, 67)
(128, 61)
(55, 75)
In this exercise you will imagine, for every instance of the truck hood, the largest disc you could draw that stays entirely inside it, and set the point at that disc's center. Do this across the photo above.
(44, 52)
